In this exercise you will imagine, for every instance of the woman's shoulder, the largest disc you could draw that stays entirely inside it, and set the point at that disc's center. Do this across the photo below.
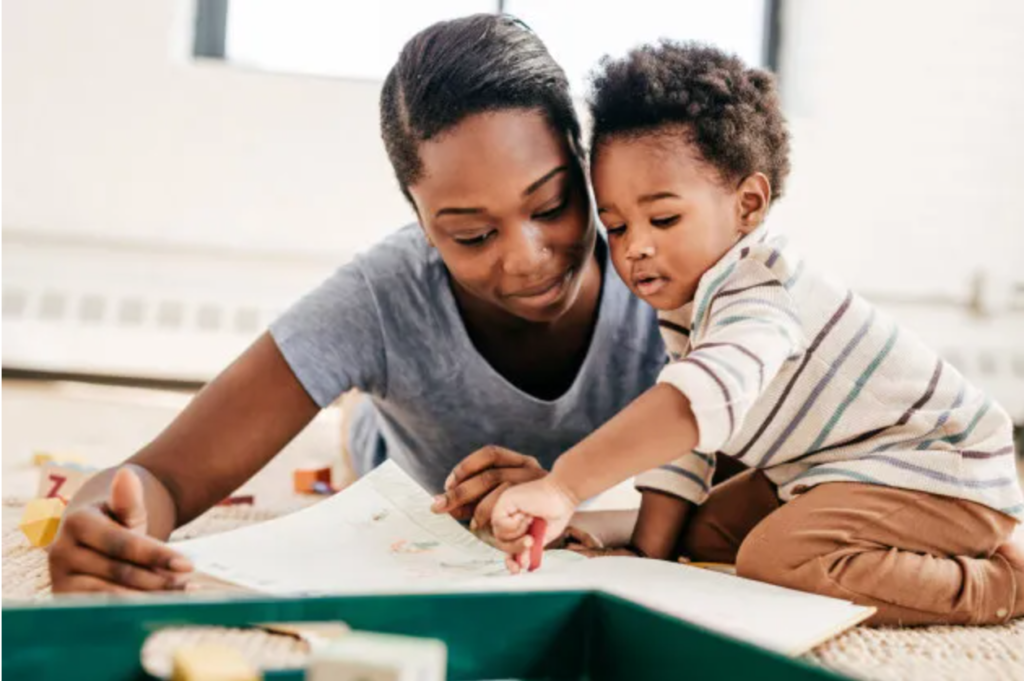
(402, 266)
(404, 254)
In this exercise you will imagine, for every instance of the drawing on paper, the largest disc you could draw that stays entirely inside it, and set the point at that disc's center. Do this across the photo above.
(406, 546)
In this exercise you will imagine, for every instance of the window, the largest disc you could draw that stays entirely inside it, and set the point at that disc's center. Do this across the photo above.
(363, 40)
(577, 40)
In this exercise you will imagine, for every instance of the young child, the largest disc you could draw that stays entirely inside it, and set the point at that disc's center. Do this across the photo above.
(879, 475)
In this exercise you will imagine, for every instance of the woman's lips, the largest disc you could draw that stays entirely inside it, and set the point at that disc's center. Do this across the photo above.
(545, 294)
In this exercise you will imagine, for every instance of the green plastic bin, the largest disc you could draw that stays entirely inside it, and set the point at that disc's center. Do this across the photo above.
(542, 635)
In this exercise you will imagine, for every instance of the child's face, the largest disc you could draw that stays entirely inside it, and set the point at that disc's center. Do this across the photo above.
(669, 214)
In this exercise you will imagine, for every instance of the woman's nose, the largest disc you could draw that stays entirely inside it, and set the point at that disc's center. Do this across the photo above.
(525, 252)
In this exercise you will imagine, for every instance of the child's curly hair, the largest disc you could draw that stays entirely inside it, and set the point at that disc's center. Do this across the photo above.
(732, 112)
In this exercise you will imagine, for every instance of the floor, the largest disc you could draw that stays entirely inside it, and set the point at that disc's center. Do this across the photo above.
(106, 424)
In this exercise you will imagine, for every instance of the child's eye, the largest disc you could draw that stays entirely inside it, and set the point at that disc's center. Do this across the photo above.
(665, 222)
(477, 240)
(615, 231)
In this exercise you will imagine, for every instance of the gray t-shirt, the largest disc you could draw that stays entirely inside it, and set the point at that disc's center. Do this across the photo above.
(388, 324)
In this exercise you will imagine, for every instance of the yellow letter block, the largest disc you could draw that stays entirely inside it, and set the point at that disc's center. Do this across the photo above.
(210, 662)
(40, 520)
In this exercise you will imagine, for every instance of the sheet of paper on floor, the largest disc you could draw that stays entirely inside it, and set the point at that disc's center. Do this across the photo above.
(379, 536)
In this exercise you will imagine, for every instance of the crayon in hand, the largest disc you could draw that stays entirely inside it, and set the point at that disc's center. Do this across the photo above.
(538, 528)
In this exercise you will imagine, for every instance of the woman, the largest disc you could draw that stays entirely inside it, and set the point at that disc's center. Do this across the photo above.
(495, 320)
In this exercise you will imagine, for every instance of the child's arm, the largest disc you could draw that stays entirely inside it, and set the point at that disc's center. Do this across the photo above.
(651, 431)
(698, 406)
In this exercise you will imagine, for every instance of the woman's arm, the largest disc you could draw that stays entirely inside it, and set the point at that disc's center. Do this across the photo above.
(232, 428)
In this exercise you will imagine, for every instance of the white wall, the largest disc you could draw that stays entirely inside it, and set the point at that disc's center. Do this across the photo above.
(908, 125)
(908, 134)
(112, 130)
(906, 119)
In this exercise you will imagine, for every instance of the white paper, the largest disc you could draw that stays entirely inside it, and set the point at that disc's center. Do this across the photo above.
(380, 536)
(787, 621)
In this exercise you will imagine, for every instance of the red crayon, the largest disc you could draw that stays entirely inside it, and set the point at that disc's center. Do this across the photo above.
(537, 529)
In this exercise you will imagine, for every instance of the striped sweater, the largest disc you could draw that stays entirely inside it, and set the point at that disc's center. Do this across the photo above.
(792, 373)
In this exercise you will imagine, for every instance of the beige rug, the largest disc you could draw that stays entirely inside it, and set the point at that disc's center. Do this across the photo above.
(954, 653)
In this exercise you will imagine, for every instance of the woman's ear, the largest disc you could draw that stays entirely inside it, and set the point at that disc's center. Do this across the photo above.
(755, 195)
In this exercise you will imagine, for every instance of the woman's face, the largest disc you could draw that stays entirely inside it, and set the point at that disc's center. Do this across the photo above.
(503, 200)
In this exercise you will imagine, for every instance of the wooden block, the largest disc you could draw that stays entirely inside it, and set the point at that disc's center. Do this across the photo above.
(304, 479)
(209, 662)
(62, 480)
(378, 657)
(40, 521)
(40, 458)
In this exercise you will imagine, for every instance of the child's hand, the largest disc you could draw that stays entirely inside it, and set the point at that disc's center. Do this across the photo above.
(519, 506)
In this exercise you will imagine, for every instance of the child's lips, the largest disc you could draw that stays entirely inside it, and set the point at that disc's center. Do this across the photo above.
(649, 286)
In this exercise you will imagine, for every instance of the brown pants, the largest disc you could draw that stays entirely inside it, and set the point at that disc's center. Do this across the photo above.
(919, 558)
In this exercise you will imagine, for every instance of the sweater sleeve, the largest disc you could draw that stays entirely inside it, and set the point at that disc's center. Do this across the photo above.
(749, 331)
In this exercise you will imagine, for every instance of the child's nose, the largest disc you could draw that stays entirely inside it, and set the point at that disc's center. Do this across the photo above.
(640, 249)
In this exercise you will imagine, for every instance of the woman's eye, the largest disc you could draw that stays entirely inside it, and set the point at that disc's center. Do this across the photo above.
(477, 240)
(553, 213)
(615, 231)
(665, 222)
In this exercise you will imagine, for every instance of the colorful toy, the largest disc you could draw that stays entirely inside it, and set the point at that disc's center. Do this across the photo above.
(210, 662)
(41, 519)
(62, 479)
(321, 487)
(379, 657)
(305, 479)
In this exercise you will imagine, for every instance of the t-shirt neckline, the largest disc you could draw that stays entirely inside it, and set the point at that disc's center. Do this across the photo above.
(466, 346)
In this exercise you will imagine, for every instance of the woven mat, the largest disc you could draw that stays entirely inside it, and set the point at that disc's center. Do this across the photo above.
(954, 653)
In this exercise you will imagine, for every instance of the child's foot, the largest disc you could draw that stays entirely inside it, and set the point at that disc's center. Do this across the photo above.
(1013, 552)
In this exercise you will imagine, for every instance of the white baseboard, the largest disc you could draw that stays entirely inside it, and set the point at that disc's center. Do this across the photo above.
(183, 316)
(93, 309)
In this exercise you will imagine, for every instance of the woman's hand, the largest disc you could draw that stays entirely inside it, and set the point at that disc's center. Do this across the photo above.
(473, 488)
(516, 510)
(104, 546)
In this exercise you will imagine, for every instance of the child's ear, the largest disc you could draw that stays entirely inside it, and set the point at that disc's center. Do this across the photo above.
(755, 195)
